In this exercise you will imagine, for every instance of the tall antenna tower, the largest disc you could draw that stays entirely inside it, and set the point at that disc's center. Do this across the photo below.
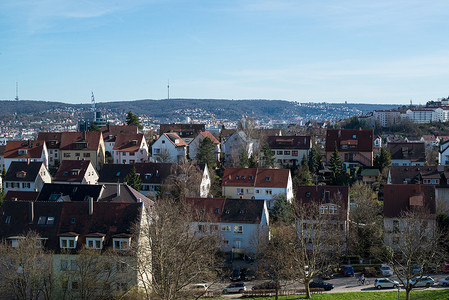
(92, 102)
(168, 90)
(17, 91)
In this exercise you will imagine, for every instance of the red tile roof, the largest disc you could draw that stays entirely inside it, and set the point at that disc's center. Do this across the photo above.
(408, 151)
(257, 177)
(127, 142)
(52, 139)
(72, 170)
(21, 196)
(110, 132)
(175, 139)
(289, 142)
(31, 149)
(87, 140)
(399, 198)
(207, 134)
(361, 139)
(319, 194)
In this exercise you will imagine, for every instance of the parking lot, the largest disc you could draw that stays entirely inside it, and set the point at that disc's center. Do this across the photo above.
(341, 285)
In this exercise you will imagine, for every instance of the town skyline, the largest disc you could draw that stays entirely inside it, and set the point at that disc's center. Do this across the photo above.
(354, 51)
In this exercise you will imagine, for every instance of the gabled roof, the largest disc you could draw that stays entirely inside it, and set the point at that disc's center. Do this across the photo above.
(21, 196)
(23, 171)
(127, 142)
(82, 141)
(207, 134)
(257, 177)
(110, 132)
(289, 142)
(219, 210)
(24, 149)
(321, 194)
(152, 173)
(350, 140)
(69, 192)
(399, 198)
(414, 174)
(175, 139)
(72, 170)
(408, 151)
(126, 194)
(70, 219)
(52, 139)
(370, 172)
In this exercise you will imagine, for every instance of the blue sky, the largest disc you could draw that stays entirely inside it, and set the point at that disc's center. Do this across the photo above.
(334, 51)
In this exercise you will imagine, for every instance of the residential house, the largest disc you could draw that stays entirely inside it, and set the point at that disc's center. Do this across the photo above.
(332, 202)
(53, 143)
(241, 223)
(76, 171)
(26, 176)
(355, 146)
(258, 183)
(110, 133)
(378, 142)
(152, 175)
(25, 151)
(87, 145)
(407, 154)
(187, 132)
(169, 147)
(369, 175)
(402, 198)
(289, 150)
(429, 140)
(196, 142)
(130, 148)
(67, 227)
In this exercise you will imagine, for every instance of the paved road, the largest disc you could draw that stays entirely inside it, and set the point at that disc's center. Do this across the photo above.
(341, 285)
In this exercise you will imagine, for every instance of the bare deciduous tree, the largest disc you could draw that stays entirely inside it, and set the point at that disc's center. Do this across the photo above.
(25, 269)
(319, 239)
(184, 180)
(416, 244)
(172, 253)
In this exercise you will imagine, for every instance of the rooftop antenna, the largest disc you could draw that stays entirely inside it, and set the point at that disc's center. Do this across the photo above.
(17, 91)
(168, 90)
(92, 102)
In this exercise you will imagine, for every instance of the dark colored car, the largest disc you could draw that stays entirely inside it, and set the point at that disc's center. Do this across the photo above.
(268, 285)
(250, 275)
(236, 275)
(348, 271)
(321, 284)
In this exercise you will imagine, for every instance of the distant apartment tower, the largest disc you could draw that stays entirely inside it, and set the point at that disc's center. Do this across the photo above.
(386, 118)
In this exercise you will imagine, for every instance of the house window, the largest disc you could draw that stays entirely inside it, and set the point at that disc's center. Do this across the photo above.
(66, 154)
(201, 228)
(333, 209)
(86, 154)
(68, 242)
(94, 243)
(225, 228)
(217, 210)
(238, 229)
(121, 244)
(156, 150)
(308, 194)
(239, 191)
(395, 226)
(286, 152)
(77, 154)
(267, 178)
(294, 153)
(213, 228)
(248, 191)
(124, 153)
(41, 220)
(75, 285)
(324, 209)
(268, 192)
(279, 152)
(121, 266)
(132, 153)
(8, 219)
(257, 191)
(122, 286)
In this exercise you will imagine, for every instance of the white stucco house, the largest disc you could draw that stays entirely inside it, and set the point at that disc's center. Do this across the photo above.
(169, 147)
(26, 176)
(130, 149)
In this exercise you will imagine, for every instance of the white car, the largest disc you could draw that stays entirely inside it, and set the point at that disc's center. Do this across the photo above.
(381, 283)
(237, 287)
(444, 282)
(425, 281)
(386, 270)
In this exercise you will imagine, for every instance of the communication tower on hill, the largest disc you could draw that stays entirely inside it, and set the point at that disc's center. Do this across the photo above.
(17, 91)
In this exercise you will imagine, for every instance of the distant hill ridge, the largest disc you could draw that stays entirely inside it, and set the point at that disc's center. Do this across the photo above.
(220, 108)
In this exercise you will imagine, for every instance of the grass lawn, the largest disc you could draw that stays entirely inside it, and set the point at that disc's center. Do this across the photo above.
(414, 295)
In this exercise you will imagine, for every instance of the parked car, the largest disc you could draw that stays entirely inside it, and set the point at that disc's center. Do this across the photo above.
(236, 275)
(267, 285)
(425, 281)
(348, 271)
(444, 282)
(236, 287)
(381, 283)
(199, 287)
(250, 275)
(321, 284)
(386, 270)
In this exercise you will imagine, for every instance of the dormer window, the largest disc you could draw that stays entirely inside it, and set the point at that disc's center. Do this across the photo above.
(94, 243)
(243, 177)
(8, 219)
(121, 243)
(267, 178)
(217, 210)
(22, 151)
(21, 174)
(68, 242)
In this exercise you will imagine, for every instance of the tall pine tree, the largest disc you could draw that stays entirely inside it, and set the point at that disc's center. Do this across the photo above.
(336, 167)
(206, 153)
(133, 180)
